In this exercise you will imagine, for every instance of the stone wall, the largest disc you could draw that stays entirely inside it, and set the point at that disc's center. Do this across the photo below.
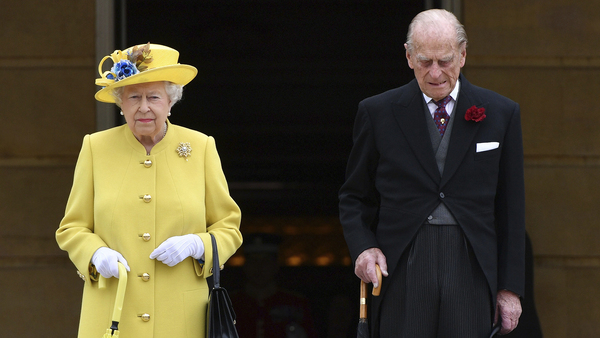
(545, 56)
(47, 66)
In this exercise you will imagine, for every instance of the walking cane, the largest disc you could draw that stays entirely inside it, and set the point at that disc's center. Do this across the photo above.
(363, 325)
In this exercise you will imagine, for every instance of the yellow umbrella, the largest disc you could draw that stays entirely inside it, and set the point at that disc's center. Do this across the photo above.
(113, 331)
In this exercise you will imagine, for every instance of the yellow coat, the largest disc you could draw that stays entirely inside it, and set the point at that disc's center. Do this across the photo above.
(106, 208)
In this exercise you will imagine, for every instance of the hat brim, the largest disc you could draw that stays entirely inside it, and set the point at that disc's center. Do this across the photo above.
(178, 74)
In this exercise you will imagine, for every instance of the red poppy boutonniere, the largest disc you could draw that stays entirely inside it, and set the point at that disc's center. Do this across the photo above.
(475, 114)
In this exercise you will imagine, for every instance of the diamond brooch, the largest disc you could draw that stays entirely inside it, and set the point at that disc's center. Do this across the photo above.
(184, 149)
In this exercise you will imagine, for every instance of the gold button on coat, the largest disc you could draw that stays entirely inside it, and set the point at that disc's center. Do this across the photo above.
(147, 198)
(147, 163)
(145, 277)
(146, 237)
(145, 317)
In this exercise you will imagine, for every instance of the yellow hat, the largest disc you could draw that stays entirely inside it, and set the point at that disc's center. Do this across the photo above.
(141, 64)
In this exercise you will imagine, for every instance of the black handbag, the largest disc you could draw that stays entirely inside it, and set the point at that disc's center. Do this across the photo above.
(220, 317)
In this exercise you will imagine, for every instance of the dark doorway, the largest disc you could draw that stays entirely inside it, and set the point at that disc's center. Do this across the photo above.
(278, 86)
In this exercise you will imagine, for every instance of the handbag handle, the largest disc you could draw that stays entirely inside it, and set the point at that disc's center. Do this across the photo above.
(216, 267)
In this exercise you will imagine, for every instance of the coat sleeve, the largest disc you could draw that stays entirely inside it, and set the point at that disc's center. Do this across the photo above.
(76, 231)
(223, 216)
(358, 197)
(510, 210)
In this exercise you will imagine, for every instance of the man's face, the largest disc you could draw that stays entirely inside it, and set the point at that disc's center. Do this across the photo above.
(436, 60)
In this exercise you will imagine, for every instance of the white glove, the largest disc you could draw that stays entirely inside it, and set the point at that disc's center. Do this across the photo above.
(177, 248)
(105, 260)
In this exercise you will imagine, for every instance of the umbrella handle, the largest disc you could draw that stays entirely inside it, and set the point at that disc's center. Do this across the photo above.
(102, 280)
(363, 293)
(116, 317)
(377, 290)
(363, 300)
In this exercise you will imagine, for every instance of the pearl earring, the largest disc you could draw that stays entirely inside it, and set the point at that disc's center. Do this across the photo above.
(169, 114)
(121, 113)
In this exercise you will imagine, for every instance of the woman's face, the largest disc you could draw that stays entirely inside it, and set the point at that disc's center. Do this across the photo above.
(145, 107)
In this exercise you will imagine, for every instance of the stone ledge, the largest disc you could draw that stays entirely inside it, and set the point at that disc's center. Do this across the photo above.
(37, 162)
(592, 262)
(561, 160)
(476, 61)
(33, 262)
(35, 63)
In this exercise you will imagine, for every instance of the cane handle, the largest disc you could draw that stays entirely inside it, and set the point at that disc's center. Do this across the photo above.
(377, 290)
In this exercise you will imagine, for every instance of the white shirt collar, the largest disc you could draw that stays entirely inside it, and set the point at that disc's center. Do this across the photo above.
(450, 106)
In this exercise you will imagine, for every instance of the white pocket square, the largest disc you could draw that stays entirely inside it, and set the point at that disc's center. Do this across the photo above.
(486, 146)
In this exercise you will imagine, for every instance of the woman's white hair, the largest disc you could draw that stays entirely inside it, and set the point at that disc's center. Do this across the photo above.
(174, 91)
(435, 18)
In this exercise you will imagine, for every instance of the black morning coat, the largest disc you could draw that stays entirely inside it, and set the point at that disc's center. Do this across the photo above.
(393, 182)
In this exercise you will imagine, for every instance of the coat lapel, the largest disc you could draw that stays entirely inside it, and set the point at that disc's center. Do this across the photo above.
(463, 131)
(409, 113)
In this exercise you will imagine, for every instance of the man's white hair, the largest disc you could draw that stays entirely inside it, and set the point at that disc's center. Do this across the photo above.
(437, 18)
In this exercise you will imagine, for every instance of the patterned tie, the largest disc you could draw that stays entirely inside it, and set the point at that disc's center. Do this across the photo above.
(440, 116)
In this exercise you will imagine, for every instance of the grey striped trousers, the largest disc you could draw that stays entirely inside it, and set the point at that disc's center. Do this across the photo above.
(438, 289)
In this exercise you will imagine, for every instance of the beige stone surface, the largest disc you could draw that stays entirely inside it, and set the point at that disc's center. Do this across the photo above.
(552, 299)
(583, 308)
(47, 30)
(532, 28)
(32, 207)
(567, 298)
(44, 300)
(47, 69)
(562, 211)
(48, 111)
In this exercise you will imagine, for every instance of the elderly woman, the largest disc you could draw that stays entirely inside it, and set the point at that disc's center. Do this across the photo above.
(147, 194)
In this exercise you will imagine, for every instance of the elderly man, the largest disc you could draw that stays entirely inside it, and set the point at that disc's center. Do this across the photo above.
(434, 195)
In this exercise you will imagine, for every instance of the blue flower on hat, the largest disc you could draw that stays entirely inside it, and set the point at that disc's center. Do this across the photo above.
(122, 69)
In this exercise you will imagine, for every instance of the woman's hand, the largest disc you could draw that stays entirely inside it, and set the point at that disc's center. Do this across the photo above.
(177, 248)
(105, 260)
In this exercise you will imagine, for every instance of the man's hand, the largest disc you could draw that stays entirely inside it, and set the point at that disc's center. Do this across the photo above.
(508, 307)
(364, 266)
